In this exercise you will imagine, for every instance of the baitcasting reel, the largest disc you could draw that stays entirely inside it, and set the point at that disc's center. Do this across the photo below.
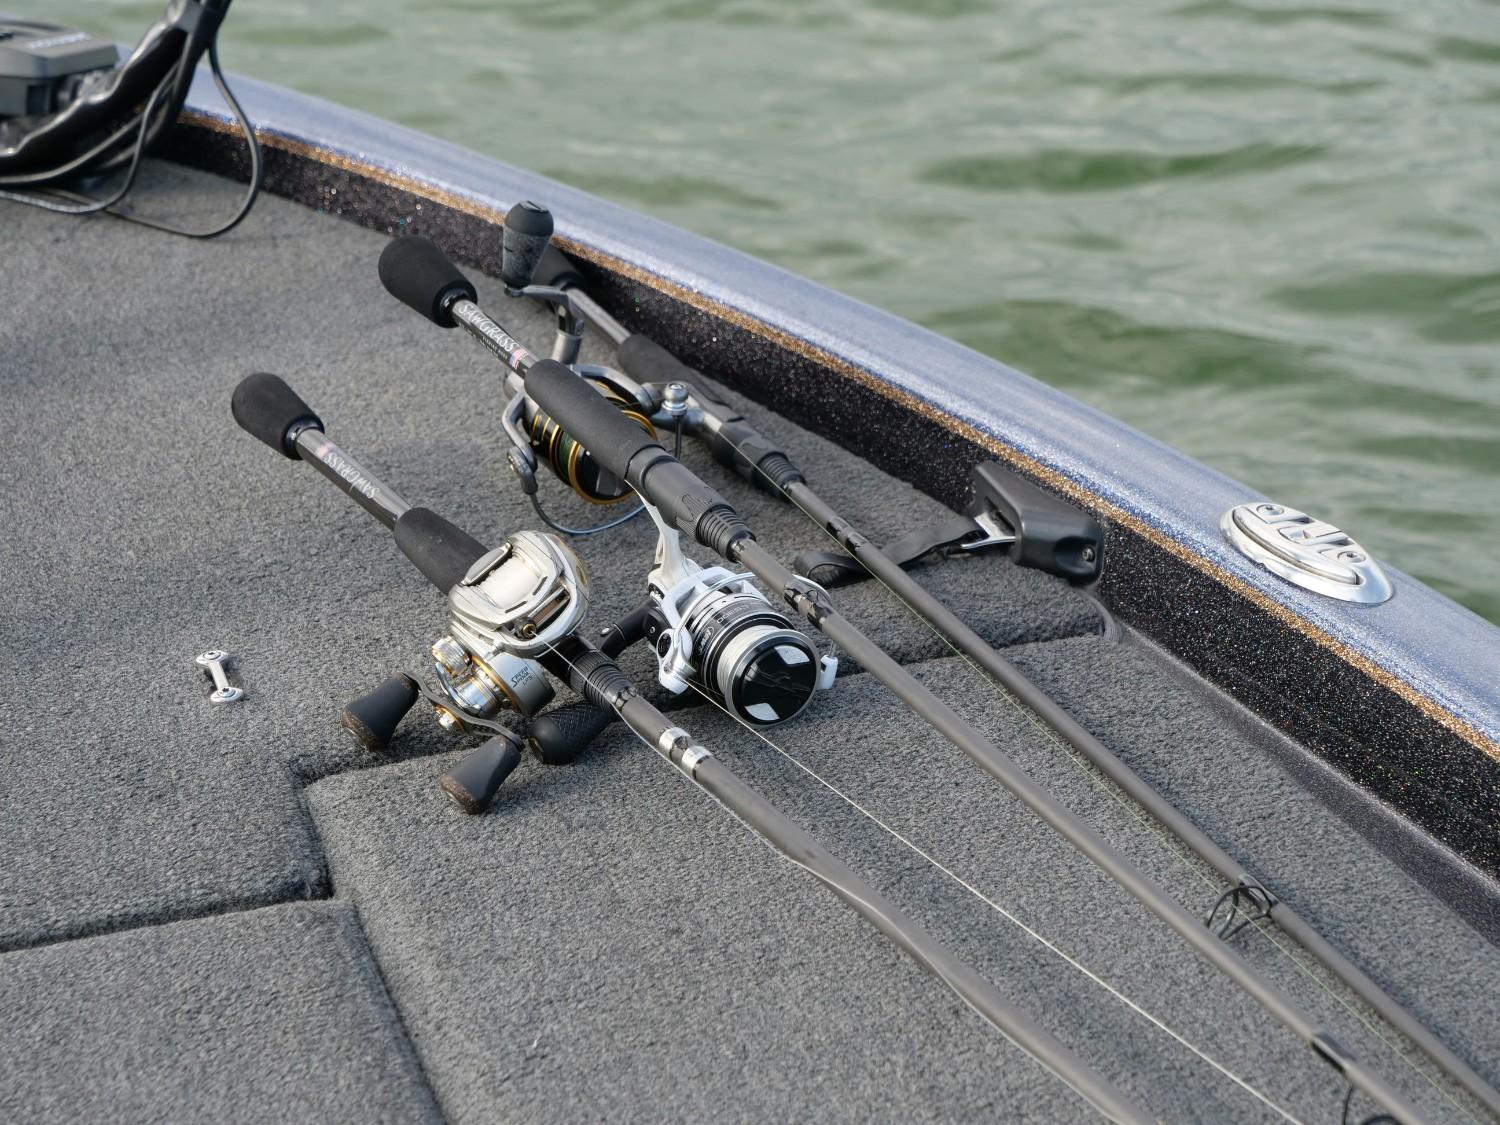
(514, 604)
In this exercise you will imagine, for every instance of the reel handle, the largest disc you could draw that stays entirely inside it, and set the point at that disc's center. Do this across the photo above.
(528, 231)
(563, 733)
(373, 717)
(556, 270)
(472, 783)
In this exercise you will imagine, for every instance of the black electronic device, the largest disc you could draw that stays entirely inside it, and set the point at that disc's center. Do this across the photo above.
(44, 67)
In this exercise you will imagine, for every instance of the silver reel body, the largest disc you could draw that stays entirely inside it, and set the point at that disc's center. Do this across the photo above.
(722, 636)
(514, 604)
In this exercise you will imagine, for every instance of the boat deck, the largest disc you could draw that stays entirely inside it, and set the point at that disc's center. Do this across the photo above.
(231, 913)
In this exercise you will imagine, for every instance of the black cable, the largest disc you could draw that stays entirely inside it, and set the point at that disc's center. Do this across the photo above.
(89, 207)
(83, 205)
(257, 162)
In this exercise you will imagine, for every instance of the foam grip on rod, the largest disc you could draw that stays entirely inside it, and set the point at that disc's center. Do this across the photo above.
(646, 361)
(563, 733)
(474, 782)
(266, 408)
(528, 229)
(597, 425)
(418, 274)
(373, 718)
(556, 270)
(442, 551)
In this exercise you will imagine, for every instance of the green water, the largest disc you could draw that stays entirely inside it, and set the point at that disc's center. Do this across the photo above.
(1267, 233)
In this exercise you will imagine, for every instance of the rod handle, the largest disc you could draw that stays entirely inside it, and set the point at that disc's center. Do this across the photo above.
(441, 550)
(267, 408)
(417, 273)
(596, 424)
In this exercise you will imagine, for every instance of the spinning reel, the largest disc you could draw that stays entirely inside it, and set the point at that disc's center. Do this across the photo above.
(713, 630)
(710, 629)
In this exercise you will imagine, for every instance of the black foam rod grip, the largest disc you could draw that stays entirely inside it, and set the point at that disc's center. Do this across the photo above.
(267, 408)
(373, 718)
(646, 361)
(556, 270)
(474, 782)
(418, 274)
(528, 229)
(563, 733)
(586, 416)
(442, 551)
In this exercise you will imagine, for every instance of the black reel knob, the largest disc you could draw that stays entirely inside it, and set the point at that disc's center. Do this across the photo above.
(528, 230)
(373, 717)
(562, 734)
(474, 782)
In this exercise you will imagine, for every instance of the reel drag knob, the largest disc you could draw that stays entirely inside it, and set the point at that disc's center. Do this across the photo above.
(473, 783)
(373, 717)
(528, 230)
(762, 669)
(768, 675)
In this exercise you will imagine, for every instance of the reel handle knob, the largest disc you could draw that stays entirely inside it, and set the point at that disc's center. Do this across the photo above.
(528, 230)
(373, 717)
(474, 782)
(562, 734)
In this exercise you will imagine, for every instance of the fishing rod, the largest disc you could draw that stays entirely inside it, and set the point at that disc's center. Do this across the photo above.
(693, 506)
(709, 627)
(481, 584)
(628, 455)
(1041, 532)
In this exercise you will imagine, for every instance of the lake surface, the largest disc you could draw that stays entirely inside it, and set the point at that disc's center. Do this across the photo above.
(1267, 233)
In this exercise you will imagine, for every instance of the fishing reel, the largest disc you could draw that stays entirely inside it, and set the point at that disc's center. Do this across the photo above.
(514, 604)
(712, 630)
(536, 439)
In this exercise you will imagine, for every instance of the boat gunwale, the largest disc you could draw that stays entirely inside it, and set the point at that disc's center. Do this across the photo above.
(1282, 611)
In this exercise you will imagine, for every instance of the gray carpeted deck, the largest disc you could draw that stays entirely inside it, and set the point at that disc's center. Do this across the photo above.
(606, 942)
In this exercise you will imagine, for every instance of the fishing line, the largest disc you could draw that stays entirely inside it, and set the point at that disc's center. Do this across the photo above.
(1169, 842)
(1007, 915)
(845, 892)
